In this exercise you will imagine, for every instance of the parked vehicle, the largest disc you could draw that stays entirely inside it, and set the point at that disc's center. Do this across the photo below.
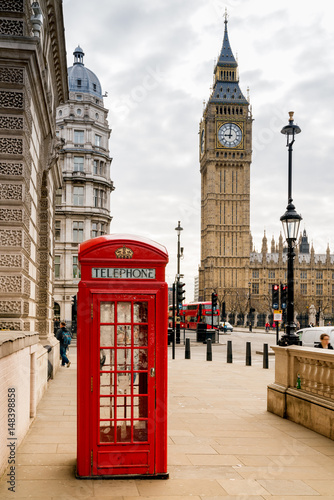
(311, 336)
(225, 326)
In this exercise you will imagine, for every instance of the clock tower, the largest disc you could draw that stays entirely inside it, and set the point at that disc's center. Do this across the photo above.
(225, 157)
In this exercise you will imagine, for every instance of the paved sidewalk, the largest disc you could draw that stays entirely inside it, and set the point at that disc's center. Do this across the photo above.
(222, 442)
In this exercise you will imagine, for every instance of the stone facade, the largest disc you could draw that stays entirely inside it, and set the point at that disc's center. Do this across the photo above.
(32, 84)
(83, 202)
(312, 404)
(24, 387)
(313, 281)
(225, 159)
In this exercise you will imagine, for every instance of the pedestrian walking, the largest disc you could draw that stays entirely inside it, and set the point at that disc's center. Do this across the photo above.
(64, 337)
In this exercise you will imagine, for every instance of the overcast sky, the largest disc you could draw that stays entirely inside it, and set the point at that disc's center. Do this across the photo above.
(155, 59)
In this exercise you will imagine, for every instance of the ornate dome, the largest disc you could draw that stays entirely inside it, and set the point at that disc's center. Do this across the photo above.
(81, 79)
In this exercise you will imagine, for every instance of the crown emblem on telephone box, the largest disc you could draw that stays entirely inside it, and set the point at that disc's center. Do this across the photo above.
(124, 253)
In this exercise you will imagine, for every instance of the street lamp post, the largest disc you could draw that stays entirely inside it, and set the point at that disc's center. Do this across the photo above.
(250, 307)
(290, 221)
(178, 229)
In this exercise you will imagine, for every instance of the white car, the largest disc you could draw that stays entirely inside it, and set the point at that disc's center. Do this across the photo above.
(225, 326)
(311, 336)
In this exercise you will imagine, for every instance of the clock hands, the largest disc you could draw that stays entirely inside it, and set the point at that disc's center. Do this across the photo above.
(230, 135)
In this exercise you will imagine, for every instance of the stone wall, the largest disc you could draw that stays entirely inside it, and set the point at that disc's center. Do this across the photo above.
(24, 375)
(313, 404)
(33, 82)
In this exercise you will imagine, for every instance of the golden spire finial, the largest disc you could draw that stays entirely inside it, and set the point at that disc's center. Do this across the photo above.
(226, 16)
(291, 113)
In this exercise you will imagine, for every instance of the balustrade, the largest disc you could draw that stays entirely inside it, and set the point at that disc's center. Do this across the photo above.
(313, 404)
(317, 375)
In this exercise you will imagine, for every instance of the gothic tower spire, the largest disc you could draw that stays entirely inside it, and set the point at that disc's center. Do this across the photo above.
(226, 79)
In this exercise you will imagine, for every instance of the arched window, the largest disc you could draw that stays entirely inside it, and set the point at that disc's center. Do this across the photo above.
(56, 311)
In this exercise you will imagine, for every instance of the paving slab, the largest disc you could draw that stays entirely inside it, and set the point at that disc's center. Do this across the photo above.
(222, 442)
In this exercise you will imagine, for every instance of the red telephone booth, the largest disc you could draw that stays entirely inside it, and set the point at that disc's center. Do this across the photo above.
(122, 358)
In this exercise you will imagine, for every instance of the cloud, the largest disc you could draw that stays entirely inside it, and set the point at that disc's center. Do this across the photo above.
(155, 58)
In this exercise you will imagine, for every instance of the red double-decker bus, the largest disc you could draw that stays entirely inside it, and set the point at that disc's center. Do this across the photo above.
(198, 312)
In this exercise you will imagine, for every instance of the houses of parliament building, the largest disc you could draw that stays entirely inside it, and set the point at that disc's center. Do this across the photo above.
(241, 277)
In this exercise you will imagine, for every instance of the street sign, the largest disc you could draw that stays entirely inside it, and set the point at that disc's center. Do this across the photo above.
(278, 315)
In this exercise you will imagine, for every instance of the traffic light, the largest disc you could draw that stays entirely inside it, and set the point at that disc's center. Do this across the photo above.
(180, 293)
(284, 292)
(275, 296)
(223, 314)
(214, 300)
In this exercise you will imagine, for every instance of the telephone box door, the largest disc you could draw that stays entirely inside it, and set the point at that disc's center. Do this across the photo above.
(123, 384)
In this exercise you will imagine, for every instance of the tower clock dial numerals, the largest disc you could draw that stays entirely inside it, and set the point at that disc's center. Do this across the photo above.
(229, 135)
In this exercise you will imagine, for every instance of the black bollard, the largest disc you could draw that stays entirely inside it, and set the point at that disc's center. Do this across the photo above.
(187, 352)
(229, 352)
(209, 350)
(248, 354)
(265, 356)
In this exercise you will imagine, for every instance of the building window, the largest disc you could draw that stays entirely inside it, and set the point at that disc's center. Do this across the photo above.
(98, 140)
(95, 167)
(98, 167)
(98, 229)
(57, 230)
(79, 97)
(303, 275)
(319, 275)
(78, 196)
(79, 111)
(255, 274)
(318, 289)
(78, 137)
(79, 82)
(94, 229)
(57, 266)
(271, 274)
(303, 288)
(99, 198)
(255, 289)
(76, 269)
(59, 196)
(78, 228)
(78, 164)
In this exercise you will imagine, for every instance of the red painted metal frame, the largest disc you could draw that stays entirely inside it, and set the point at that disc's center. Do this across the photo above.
(100, 252)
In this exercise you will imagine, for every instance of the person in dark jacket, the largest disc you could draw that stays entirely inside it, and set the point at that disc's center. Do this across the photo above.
(63, 347)
(324, 342)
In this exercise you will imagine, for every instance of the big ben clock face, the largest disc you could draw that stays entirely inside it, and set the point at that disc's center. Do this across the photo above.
(230, 135)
